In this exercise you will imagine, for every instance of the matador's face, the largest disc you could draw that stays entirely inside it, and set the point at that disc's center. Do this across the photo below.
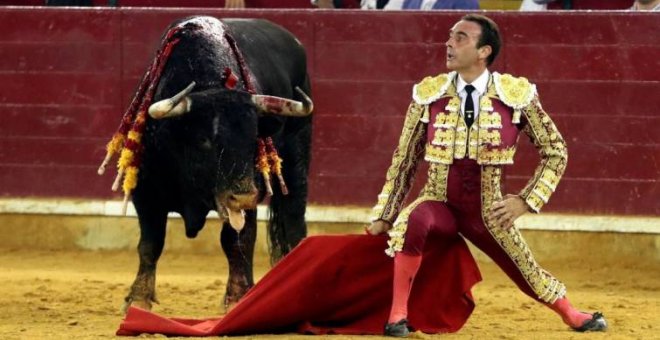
(462, 51)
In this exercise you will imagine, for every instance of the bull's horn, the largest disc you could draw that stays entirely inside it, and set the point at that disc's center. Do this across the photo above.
(284, 107)
(175, 106)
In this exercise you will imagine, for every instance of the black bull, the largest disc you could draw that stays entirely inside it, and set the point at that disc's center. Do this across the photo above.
(199, 153)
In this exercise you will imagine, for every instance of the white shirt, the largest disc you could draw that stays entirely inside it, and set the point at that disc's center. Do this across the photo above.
(530, 5)
(398, 4)
(654, 9)
(480, 85)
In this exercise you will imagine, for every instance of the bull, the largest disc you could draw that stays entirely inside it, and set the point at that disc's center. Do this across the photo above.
(244, 81)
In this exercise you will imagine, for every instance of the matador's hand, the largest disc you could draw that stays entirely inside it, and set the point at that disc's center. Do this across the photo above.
(379, 227)
(506, 211)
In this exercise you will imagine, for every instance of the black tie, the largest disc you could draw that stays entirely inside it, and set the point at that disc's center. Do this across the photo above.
(469, 106)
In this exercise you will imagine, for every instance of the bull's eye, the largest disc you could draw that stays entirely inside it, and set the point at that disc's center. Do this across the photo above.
(204, 143)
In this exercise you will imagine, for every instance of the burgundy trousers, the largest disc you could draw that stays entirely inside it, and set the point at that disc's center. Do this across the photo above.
(460, 215)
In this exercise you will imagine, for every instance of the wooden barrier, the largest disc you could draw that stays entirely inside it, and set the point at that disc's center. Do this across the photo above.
(66, 76)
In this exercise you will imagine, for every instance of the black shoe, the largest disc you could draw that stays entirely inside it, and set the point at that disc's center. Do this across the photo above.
(597, 323)
(398, 329)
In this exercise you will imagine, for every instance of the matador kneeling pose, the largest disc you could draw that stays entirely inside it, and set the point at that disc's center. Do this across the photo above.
(466, 125)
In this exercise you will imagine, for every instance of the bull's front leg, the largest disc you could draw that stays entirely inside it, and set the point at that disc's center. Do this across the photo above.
(239, 248)
(152, 240)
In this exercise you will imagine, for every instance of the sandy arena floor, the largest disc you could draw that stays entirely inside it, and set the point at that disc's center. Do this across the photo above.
(77, 295)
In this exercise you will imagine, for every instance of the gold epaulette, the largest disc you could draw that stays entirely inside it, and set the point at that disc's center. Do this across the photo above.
(431, 89)
(515, 92)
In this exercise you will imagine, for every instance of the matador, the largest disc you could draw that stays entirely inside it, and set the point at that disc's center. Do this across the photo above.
(466, 125)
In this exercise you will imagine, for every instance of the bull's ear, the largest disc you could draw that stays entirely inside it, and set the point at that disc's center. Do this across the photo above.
(283, 106)
(180, 104)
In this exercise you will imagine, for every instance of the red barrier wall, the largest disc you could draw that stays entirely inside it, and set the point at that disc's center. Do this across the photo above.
(177, 3)
(66, 77)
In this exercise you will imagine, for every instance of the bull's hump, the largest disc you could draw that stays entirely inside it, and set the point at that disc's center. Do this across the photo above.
(201, 20)
(207, 24)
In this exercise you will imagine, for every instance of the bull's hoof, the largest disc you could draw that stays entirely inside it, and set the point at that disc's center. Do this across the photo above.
(229, 307)
(229, 303)
(237, 287)
(142, 304)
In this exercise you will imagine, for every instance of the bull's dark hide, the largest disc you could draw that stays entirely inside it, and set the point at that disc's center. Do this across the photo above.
(204, 159)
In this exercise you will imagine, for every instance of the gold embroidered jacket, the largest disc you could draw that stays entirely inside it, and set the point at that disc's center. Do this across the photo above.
(434, 128)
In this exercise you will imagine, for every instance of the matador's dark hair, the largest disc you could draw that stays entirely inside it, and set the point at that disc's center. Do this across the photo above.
(490, 34)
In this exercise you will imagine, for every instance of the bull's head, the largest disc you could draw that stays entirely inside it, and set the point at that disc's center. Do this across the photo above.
(220, 139)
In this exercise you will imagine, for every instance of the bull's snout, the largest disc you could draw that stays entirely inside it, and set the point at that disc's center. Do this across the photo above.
(242, 195)
(232, 204)
(246, 200)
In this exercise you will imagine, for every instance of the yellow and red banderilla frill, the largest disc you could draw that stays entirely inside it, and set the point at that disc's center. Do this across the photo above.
(269, 162)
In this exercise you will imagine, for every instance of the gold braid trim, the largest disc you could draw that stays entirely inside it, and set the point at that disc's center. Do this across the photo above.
(438, 155)
(546, 286)
(515, 92)
(490, 120)
(398, 232)
(431, 89)
(554, 157)
(491, 137)
(401, 173)
(496, 156)
(435, 189)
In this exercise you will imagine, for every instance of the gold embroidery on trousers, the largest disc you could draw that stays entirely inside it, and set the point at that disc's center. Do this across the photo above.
(546, 286)
(398, 232)
(434, 190)
(436, 184)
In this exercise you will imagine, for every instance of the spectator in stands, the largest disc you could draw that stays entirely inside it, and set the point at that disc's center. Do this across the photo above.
(646, 5)
(534, 5)
(267, 3)
(541, 5)
(235, 4)
(69, 3)
(588, 4)
(373, 4)
(336, 3)
(431, 4)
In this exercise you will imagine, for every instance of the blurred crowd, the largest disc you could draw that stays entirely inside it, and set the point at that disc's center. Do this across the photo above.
(525, 5)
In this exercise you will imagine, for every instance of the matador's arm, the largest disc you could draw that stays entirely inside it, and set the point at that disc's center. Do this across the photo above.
(401, 173)
(552, 148)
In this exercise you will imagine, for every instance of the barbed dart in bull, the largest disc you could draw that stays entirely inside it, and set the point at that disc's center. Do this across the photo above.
(127, 140)
(276, 164)
(263, 165)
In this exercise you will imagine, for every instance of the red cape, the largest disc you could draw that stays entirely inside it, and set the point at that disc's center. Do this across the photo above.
(336, 285)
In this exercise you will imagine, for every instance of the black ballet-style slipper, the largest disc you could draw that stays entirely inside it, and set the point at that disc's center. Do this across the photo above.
(398, 329)
(597, 323)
